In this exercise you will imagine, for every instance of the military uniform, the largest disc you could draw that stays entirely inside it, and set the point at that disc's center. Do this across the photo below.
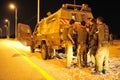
(68, 45)
(102, 55)
(93, 42)
(82, 46)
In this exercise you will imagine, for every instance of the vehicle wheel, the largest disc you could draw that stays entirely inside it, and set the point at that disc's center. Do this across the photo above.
(44, 50)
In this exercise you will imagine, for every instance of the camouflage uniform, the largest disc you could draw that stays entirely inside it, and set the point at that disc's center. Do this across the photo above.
(102, 55)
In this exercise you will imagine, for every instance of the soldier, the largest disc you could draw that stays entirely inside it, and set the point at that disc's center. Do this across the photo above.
(82, 40)
(93, 41)
(111, 39)
(102, 55)
(70, 42)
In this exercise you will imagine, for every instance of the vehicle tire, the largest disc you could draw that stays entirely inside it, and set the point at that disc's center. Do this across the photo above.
(44, 50)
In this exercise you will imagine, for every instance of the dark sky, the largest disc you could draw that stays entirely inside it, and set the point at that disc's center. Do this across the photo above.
(27, 11)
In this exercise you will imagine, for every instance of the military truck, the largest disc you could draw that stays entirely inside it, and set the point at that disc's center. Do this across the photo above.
(50, 32)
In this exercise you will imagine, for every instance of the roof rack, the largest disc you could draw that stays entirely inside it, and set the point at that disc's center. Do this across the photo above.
(71, 6)
(83, 7)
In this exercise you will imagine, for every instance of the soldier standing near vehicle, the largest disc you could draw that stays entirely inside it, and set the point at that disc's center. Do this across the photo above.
(102, 55)
(93, 41)
(111, 39)
(82, 40)
(70, 42)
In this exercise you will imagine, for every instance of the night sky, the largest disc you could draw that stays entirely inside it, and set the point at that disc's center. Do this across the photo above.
(27, 11)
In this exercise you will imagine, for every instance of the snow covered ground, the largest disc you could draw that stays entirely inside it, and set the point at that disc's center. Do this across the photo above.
(57, 67)
(86, 73)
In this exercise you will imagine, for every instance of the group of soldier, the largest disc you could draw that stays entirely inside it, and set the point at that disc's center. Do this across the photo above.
(90, 37)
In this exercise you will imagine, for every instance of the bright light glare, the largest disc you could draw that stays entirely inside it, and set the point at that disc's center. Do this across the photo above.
(12, 6)
(17, 44)
(6, 20)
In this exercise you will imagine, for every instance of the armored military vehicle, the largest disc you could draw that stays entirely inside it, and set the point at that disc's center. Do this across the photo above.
(50, 32)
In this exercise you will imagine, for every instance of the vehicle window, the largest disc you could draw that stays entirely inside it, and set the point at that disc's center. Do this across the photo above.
(51, 19)
(25, 29)
(74, 16)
